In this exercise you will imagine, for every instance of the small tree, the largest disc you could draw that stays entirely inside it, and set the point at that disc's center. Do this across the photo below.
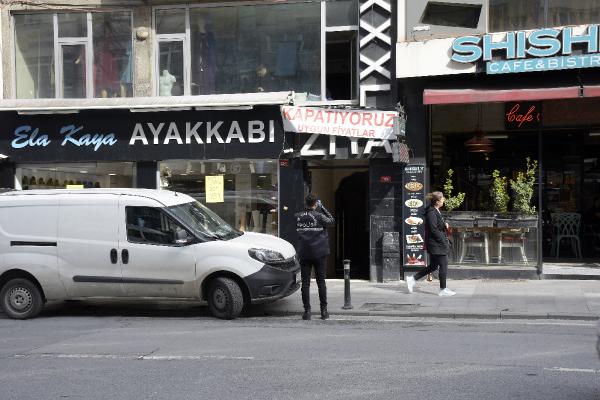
(499, 192)
(452, 202)
(522, 188)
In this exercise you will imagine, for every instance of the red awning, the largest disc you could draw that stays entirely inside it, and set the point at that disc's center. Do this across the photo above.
(591, 91)
(462, 96)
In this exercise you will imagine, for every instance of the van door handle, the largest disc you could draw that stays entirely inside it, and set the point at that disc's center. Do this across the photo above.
(113, 256)
(125, 256)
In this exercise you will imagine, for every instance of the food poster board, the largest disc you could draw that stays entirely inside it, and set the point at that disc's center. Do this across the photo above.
(413, 206)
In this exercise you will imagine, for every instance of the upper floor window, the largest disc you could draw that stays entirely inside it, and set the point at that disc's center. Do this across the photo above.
(73, 55)
(238, 49)
(427, 20)
(515, 15)
(341, 50)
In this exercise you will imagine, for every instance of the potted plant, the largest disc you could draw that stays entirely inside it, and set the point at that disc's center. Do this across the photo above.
(500, 198)
(522, 188)
(453, 202)
(499, 192)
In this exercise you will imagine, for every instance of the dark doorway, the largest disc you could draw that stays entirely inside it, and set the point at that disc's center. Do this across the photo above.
(343, 187)
(351, 205)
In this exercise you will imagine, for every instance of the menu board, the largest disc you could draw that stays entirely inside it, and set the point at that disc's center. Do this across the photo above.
(413, 206)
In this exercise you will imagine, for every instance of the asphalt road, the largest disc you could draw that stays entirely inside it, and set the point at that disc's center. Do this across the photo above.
(165, 352)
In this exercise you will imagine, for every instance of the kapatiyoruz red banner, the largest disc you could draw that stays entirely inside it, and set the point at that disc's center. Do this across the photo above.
(368, 124)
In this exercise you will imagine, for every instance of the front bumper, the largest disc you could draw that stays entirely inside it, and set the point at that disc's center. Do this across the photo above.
(271, 283)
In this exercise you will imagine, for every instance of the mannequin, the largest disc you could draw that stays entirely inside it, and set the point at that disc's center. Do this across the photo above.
(257, 221)
(203, 58)
(166, 82)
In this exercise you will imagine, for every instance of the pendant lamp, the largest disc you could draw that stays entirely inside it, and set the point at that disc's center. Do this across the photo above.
(479, 143)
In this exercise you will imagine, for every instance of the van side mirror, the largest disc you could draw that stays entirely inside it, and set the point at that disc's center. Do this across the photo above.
(182, 237)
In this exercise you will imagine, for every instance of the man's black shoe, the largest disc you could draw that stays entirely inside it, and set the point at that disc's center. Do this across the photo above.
(324, 314)
(306, 315)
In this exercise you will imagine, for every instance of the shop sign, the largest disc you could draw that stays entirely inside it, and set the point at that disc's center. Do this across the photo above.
(337, 147)
(523, 115)
(359, 124)
(122, 135)
(529, 51)
(413, 229)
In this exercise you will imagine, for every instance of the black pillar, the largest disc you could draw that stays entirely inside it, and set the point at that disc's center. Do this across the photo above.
(291, 197)
(146, 174)
(410, 94)
(385, 200)
(7, 175)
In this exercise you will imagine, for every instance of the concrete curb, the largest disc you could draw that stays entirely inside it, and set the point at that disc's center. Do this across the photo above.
(502, 315)
(572, 277)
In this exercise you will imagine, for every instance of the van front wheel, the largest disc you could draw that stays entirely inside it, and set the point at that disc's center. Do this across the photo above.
(225, 298)
(21, 299)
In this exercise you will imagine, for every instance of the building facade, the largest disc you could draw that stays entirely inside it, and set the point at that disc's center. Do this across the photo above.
(504, 94)
(188, 97)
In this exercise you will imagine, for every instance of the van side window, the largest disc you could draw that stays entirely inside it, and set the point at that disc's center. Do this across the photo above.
(150, 226)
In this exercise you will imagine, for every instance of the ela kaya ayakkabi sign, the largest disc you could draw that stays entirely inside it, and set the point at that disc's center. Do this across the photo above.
(528, 51)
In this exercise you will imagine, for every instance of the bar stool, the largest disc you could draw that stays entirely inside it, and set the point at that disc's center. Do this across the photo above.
(511, 238)
(474, 239)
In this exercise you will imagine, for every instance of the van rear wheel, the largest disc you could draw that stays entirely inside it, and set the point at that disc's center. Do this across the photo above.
(225, 298)
(21, 299)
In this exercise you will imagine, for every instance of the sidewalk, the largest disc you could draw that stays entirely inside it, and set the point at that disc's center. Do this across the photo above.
(522, 299)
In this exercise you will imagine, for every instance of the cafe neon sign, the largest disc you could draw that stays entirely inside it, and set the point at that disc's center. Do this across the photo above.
(529, 51)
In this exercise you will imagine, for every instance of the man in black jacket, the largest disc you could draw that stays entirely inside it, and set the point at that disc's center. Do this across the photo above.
(313, 249)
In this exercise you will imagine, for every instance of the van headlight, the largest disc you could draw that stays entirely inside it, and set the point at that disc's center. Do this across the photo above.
(266, 256)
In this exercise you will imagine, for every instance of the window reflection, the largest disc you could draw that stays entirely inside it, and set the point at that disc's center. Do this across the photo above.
(509, 15)
(247, 49)
(34, 56)
(113, 71)
(250, 190)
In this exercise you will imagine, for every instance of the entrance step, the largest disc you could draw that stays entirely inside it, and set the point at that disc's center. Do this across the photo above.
(571, 270)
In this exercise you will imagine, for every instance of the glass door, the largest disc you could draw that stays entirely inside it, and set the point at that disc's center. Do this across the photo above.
(563, 205)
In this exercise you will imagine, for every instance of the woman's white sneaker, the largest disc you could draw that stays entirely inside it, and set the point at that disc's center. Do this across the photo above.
(410, 284)
(446, 292)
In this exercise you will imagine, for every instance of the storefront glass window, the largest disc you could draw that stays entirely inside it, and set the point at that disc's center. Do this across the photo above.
(514, 15)
(249, 193)
(484, 231)
(38, 58)
(34, 56)
(76, 175)
(113, 75)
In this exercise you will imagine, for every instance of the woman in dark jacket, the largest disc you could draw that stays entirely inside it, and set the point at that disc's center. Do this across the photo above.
(438, 244)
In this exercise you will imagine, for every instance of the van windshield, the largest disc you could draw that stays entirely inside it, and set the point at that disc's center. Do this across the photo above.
(204, 222)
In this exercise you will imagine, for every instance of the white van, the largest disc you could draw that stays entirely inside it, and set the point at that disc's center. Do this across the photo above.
(133, 243)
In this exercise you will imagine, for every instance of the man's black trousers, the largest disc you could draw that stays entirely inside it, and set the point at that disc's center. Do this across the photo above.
(320, 265)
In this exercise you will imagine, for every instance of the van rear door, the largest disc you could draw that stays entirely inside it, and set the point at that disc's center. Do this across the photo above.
(154, 265)
(88, 245)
